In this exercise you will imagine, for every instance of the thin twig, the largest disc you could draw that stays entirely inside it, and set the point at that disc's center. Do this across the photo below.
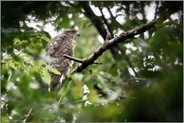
(74, 59)
(28, 116)
(108, 27)
(78, 60)
(78, 101)
(105, 21)
(114, 18)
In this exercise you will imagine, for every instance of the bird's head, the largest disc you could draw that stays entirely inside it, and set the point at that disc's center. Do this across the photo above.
(73, 33)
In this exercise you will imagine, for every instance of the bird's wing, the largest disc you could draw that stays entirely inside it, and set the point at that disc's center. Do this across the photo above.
(57, 44)
(61, 44)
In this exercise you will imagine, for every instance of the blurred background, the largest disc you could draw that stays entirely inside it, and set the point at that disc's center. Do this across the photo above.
(140, 79)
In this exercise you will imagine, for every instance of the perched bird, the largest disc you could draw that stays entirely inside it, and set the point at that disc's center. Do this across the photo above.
(62, 44)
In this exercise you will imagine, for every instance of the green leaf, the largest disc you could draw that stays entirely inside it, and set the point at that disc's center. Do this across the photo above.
(54, 70)
(41, 62)
(77, 88)
(93, 96)
(46, 38)
(39, 26)
(17, 41)
(12, 64)
(101, 82)
(65, 89)
(46, 76)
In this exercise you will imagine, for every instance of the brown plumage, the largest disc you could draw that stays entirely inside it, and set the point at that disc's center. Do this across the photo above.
(61, 44)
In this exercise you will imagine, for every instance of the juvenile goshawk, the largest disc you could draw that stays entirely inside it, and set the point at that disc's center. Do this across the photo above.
(60, 45)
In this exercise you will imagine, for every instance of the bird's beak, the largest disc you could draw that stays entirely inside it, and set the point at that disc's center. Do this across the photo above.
(78, 34)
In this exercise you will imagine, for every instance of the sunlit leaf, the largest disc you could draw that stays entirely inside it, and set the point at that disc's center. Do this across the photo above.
(46, 76)
(54, 70)
(46, 38)
(93, 96)
(12, 64)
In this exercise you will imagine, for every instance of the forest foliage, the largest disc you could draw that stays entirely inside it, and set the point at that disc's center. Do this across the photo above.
(140, 79)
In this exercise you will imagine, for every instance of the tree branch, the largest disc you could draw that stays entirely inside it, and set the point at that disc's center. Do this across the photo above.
(110, 31)
(88, 12)
(113, 19)
(109, 43)
(74, 59)
(105, 21)
(77, 59)
(74, 102)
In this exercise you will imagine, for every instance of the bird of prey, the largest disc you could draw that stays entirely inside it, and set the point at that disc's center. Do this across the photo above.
(62, 44)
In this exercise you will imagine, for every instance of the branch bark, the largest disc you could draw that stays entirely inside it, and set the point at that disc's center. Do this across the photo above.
(77, 59)
(109, 43)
